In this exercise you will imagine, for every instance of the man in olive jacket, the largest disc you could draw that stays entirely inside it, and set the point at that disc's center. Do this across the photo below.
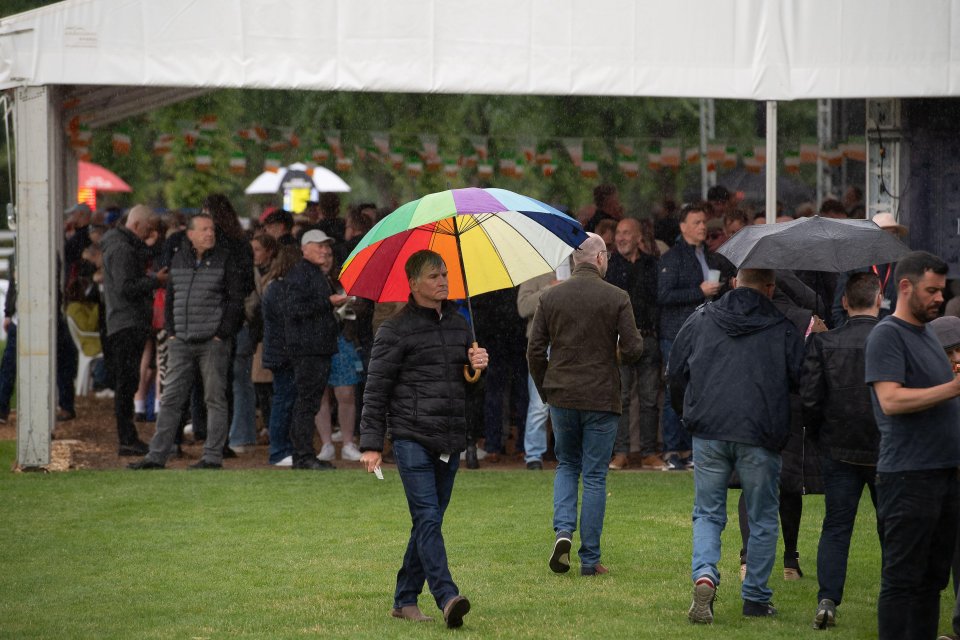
(580, 321)
(416, 390)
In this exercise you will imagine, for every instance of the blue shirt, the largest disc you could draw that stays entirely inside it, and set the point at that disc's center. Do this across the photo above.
(898, 351)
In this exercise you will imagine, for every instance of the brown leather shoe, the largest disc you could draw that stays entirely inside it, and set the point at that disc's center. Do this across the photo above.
(596, 570)
(410, 612)
(652, 461)
(454, 610)
(619, 462)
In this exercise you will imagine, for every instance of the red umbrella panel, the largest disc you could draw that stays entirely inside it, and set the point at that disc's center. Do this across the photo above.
(93, 176)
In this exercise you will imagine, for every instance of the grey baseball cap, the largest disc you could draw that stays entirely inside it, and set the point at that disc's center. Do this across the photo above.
(947, 329)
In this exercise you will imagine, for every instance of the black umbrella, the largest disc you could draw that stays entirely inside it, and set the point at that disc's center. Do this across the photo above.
(813, 244)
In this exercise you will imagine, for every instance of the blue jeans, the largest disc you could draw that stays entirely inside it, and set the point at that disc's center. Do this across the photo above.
(675, 436)
(843, 485)
(243, 430)
(428, 483)
(918, 512)
(583, 442)
(759, 470)
(535, 436)
(281, 414)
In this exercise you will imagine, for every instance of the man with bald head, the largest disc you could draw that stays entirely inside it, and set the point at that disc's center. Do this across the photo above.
(128, 296)
(636, 273)
(586, 324)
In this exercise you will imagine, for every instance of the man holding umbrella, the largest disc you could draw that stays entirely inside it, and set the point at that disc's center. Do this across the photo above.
(416, 393)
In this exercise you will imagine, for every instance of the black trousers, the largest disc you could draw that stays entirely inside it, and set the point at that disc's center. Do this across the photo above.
(918, 511)
(310, 374)
(126, 350)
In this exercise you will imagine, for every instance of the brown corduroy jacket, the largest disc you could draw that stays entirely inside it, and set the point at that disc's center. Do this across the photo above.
(581, 321)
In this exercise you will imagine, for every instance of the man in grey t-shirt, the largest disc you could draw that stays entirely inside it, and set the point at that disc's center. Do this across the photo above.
(915, 402)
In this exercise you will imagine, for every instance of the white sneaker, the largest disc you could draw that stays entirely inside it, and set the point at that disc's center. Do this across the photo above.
(337, 436)
(350, 452)
(104, 394)
(188, 430)
(286, 462)
(327, 453)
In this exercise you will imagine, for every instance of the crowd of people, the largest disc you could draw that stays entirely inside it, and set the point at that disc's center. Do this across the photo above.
(245, 337)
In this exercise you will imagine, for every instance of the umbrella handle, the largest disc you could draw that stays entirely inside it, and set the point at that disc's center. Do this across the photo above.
(471, 377)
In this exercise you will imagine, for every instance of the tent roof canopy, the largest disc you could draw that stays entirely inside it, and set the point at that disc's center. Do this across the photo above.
(743, 49)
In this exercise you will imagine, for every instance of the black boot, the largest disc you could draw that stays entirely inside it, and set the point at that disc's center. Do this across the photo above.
(472, 461)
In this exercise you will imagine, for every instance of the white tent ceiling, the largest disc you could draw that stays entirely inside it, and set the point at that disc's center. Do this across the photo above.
(110, 59)
(747, 49)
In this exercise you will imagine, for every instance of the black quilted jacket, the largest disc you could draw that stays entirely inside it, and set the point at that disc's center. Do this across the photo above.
(415, 386)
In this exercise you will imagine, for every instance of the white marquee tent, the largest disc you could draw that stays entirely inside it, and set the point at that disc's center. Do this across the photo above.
(109, 59)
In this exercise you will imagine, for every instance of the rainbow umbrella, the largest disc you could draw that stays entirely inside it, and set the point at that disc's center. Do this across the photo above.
(490, 239)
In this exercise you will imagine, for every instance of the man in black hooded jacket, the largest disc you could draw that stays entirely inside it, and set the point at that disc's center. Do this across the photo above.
(733, 364)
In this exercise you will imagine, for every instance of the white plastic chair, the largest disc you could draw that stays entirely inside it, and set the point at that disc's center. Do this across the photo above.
(84, 381)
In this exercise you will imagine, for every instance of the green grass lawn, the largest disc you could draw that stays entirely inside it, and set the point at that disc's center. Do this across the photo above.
(280, 554)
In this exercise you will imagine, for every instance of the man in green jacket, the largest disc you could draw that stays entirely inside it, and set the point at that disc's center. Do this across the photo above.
(580, 321)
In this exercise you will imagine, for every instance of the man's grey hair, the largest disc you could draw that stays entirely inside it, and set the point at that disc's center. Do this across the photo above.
(139, 214)
(588, 250)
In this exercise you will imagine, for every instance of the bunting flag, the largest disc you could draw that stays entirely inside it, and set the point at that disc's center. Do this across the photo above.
(271, 162)
(121, 144)
(208, 123)
(629, 166)
(163, 144)
(190, 137)
(333, 139)
(589, 169)
(624, 146)
(321, 155)
(654, 159)
(81, 138)
(485, 170)
(833, 157)
(548, 169)
(254, 133)
(414, 167)
(381, 141)
(507, 167)
(430, 144)
(760, 153)
(791, 163)
(692, 156)
(470, 161)
(82, 153)
(670, 156)
(203, 161)
(544, 157)
(528, 147)
(856, 151)
(479, 144)
(574, 147)
(730, 158)
(344, 164)
(291, 137)
(278, 145)
(451, 168)
(716, 153)
(752, 164)
(238, 163)
(809, 153)
(396, 159)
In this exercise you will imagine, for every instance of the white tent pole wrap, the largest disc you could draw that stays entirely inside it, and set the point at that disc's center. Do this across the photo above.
(771, 161)
(40, 223)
